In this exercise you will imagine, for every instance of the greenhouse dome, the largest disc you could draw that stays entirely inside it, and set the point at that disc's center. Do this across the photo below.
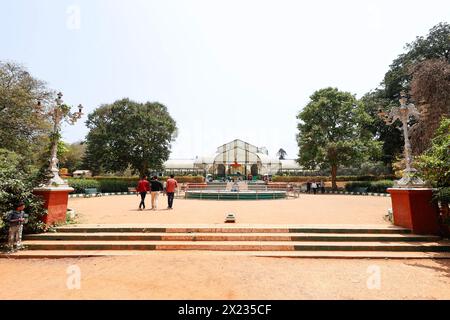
(234, 158)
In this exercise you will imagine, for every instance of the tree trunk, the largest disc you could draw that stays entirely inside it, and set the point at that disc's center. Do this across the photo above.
(144, 169)
(333, 176)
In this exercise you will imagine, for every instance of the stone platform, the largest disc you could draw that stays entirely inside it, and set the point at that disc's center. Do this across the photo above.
(268, 240)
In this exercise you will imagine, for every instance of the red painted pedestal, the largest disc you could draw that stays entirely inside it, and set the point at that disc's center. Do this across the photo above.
(414, 210)
(55, 202)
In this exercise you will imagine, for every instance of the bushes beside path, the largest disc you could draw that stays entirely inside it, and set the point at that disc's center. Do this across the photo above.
(119, 184)
(304, 179)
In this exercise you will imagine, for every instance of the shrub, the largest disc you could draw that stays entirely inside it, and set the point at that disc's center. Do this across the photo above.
(381, 186)
(442, 195)
(434, 166)
(190, 179)
(80, 184)
(353, 186)
(116, 184)
(120, 184)
(298, 178)
(372, 186)
(327, 178)
(366, 178)
(16, 184)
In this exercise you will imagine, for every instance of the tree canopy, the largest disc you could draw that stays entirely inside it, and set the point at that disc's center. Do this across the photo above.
(430, 88)
(127, 134)
(436, 45)
(434, 164)
(281, 154)
(389, 136)
(24, 128)
(72, 156)
(17, 180)
(400, 77)
(333, 132)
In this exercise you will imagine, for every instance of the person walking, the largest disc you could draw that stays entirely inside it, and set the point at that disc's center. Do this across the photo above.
(142, 188)
(171, 186)
(314, 187)
(322, 186)
(156, 187)
(308, 187)
(164, 188)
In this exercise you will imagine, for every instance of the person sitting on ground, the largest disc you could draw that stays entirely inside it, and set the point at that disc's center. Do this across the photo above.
(156, 188)
(16, 218)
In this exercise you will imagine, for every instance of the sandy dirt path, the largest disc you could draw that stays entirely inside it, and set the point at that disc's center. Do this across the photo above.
(212, 276)
(308, 209)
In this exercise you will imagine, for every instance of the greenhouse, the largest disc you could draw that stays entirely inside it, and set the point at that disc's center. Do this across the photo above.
(234, 158)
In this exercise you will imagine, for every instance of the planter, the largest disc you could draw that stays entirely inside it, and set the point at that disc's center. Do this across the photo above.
(414, 209)
(55, 201)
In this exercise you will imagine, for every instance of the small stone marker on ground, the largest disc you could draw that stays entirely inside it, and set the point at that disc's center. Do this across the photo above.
(231, 218)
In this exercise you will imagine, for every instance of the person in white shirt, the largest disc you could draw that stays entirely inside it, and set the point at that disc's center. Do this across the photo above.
(314, 187)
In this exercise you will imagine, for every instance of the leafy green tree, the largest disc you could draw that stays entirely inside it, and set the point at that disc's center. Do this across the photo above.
(17, 180)
(24, 128)
(389, 136)
(281, 154)
(435, 45)
(333, 132)
(72, 156)
(127, 134)
(434, 164)
(430, 88)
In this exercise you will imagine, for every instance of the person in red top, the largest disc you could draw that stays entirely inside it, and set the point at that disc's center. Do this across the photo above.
(142, 188)
(171, 186)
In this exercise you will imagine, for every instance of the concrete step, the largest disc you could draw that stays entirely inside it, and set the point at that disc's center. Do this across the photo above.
(224, 228)
(140, 236)
(67, 254)
(441, 246)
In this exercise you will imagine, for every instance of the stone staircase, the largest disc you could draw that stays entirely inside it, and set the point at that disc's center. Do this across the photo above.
(255, 240)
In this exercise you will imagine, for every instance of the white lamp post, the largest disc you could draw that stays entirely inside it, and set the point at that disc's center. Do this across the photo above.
(58, 113)
(403, 113)
(55, 192)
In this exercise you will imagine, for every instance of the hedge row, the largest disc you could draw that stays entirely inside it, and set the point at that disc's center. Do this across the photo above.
(327, 178)
(298, 178)
(80, 184)
(180, 179)
(116, 185)
(372, 186)
(119, 184)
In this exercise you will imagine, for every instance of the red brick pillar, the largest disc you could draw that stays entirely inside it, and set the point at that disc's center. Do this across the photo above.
(413, 209)
(55, 201)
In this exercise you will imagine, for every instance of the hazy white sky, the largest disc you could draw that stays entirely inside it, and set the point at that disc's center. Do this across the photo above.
(225, 69)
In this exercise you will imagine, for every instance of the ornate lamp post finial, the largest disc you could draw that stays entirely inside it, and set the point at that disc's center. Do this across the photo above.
(403, 113)
(59, 113)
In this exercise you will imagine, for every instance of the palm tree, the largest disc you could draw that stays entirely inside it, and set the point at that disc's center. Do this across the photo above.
(281, 154)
